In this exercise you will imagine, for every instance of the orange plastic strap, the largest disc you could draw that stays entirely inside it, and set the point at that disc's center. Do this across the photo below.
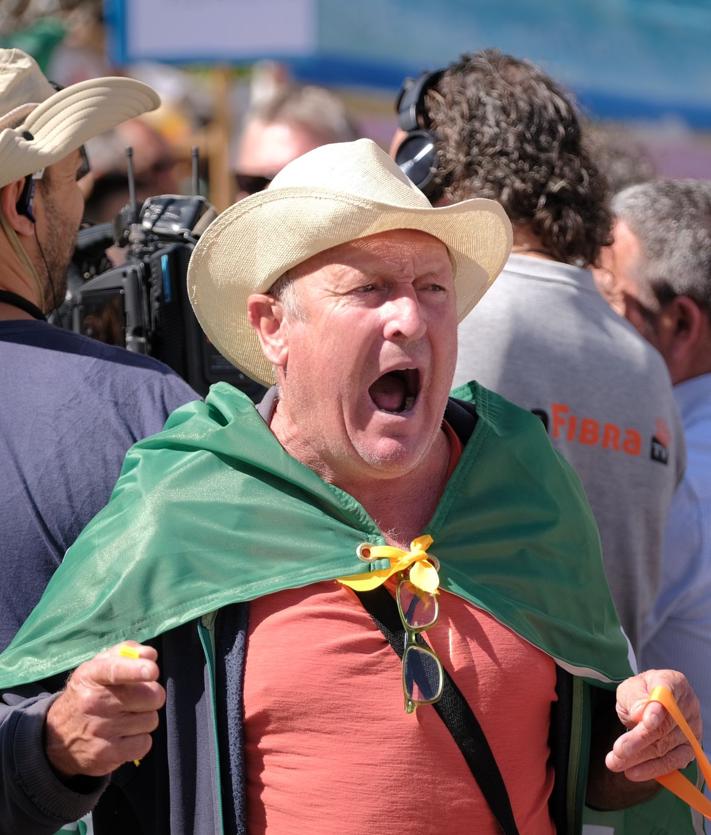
(676, 782)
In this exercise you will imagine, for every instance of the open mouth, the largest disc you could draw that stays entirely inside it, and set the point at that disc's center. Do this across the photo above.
(396, 391)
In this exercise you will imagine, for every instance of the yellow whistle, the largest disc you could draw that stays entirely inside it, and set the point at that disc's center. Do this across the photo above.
(130, 652)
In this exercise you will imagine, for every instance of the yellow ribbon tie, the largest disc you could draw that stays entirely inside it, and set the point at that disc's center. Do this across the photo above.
(423, 574)
(675, 782)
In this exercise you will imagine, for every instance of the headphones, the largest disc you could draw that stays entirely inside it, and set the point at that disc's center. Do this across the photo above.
(416, 154)
(26, 199)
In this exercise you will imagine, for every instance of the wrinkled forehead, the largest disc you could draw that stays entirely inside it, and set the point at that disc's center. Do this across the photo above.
(393, 249)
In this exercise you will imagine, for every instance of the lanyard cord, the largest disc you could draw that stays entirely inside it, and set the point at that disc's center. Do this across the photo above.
(15, 300)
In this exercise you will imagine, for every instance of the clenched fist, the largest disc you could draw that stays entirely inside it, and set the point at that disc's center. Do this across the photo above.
(106, 713)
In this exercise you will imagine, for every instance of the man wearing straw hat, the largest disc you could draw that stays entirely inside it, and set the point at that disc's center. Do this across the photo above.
(257, 573)
(71, 407)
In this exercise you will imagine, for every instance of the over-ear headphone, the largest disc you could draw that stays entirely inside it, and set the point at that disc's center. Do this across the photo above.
(416, 154)
(26, 199)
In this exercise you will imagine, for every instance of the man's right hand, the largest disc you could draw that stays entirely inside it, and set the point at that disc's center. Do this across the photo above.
(106, 713)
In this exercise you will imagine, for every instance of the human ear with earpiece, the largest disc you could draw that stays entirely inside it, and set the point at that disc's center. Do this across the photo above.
(24, 213)
(25, 205)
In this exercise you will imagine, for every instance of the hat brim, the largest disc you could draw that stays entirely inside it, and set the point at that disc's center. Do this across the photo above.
(67, 119)
(254, 242)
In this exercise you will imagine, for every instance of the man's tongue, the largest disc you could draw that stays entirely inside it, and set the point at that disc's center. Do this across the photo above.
(389, 393)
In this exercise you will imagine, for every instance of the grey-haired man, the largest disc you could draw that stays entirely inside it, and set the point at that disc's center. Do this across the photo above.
(657, 273)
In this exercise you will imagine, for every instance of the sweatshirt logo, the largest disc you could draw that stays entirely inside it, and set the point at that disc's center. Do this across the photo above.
(660, 443)
(564, 425)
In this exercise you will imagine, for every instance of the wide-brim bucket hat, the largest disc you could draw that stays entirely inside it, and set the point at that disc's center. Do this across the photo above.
(333, 194)
(40, 126)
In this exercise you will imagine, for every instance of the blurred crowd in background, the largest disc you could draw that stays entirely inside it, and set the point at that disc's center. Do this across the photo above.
(216, 110)
(200, 108)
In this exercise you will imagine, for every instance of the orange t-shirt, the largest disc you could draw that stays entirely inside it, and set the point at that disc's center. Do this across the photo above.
(328, 743)
(329, 746)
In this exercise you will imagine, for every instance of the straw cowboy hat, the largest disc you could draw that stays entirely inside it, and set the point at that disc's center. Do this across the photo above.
(40, 126)
(328, 196)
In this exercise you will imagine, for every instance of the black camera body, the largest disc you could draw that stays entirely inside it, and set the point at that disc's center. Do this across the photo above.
(143, 304)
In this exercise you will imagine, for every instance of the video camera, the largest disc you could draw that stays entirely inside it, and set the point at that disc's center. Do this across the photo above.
(142, 305)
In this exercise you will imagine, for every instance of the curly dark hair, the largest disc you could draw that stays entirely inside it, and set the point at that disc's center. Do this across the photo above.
(506, 131)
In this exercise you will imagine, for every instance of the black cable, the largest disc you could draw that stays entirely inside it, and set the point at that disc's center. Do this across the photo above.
(8, 297)
(54, 303)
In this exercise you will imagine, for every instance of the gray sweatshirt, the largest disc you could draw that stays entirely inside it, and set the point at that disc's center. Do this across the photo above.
(544, 338)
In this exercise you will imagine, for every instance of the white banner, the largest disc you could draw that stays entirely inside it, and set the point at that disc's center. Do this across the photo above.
(217, 30)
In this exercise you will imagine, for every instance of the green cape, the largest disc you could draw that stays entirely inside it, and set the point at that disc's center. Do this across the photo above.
(212, 511)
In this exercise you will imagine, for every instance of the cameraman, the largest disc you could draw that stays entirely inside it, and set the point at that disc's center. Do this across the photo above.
(71, 406)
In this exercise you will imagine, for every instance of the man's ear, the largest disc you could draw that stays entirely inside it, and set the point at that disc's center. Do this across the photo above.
(9, 197)
(686, 325)
(610, 288)
(266, 316)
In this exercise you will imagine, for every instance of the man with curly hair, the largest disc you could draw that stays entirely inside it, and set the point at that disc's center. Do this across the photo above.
(543, 337)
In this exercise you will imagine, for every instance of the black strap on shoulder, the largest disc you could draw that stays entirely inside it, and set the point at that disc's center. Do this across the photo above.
(559, 740)
(231, 628)
(462, 417)
(453, 710)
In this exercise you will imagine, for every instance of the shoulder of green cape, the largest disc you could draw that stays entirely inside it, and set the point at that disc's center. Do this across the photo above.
(212, 511)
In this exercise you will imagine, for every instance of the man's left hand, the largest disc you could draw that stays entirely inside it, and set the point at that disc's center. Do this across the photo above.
(654, 744)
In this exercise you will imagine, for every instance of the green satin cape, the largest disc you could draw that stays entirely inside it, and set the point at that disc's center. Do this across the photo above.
(212, 511)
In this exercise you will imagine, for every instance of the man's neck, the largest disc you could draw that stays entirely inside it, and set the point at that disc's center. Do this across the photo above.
(701, 369)
(695, 358)
(402, 507)
(525, 242)
(14, 279)
(8, 312)
(16, 307)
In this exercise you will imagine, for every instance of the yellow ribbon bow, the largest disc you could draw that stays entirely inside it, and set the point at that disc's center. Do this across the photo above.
(676, 782)
(423, 573)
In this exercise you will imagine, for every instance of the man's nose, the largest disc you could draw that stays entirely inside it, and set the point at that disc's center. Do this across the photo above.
(404, 319)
